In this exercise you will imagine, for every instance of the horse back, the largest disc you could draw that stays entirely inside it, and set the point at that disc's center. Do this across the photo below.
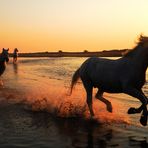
(111, 75)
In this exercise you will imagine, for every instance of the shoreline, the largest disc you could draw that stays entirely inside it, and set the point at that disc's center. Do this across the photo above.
(105, 53)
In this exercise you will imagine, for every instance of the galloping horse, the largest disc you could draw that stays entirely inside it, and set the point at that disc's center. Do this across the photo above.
(124, 75)
(4, 57)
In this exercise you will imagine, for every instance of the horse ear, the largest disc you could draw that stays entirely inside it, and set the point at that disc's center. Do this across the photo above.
(8, 49)
(3, 49)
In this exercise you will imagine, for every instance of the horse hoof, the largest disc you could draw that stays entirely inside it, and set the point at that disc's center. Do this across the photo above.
(109, 109)
(143, 120)
(132, 110)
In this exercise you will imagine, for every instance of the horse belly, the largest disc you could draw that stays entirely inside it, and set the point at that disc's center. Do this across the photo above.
(109, 86)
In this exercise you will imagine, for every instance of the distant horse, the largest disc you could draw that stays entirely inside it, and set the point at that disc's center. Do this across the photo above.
(15, 55)
(4, 57)
(124, 75)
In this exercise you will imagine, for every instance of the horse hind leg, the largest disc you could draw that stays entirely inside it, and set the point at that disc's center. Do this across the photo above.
(99, 96)
(89, 101)
(89, 89)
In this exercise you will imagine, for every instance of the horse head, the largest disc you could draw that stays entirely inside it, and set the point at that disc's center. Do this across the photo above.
(143, 44)
(5, 55)
(141, 48)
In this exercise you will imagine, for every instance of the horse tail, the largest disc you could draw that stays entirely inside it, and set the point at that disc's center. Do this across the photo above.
(75, 78)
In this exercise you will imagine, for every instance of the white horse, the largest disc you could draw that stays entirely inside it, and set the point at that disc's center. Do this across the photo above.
(124, 75)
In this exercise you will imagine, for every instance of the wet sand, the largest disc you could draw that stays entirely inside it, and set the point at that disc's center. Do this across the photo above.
(23, 128)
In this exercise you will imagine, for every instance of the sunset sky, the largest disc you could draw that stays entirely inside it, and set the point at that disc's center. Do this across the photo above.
(71, 25)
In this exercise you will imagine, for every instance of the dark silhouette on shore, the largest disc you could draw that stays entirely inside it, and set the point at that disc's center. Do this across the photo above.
(4, 57)
(124, 75)
(60, 53)
(15, 55)
(15, 68)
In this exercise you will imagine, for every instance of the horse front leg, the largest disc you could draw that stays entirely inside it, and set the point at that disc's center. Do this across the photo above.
(140, 95)
(133, 110)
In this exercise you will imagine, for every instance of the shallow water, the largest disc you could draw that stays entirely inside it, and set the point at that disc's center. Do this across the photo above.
(36, 110)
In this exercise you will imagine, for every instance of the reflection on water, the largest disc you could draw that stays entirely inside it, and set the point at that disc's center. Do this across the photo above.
(138, 141)
(19, 126)
(27, 125)
(15, 68)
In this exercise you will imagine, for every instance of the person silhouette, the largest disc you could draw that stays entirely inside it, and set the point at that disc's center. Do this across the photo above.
(15, 55)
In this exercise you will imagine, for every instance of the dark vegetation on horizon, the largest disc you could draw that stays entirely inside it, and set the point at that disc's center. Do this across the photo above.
(85, 53)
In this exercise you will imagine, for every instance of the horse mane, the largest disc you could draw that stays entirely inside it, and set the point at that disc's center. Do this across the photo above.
(142, 42)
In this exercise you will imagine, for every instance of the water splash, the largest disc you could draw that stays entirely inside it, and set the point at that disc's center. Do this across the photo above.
(56, 101)
(42, 94)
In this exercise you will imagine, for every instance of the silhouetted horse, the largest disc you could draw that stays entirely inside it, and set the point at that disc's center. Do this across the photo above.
(124, 75)
(4, 57)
